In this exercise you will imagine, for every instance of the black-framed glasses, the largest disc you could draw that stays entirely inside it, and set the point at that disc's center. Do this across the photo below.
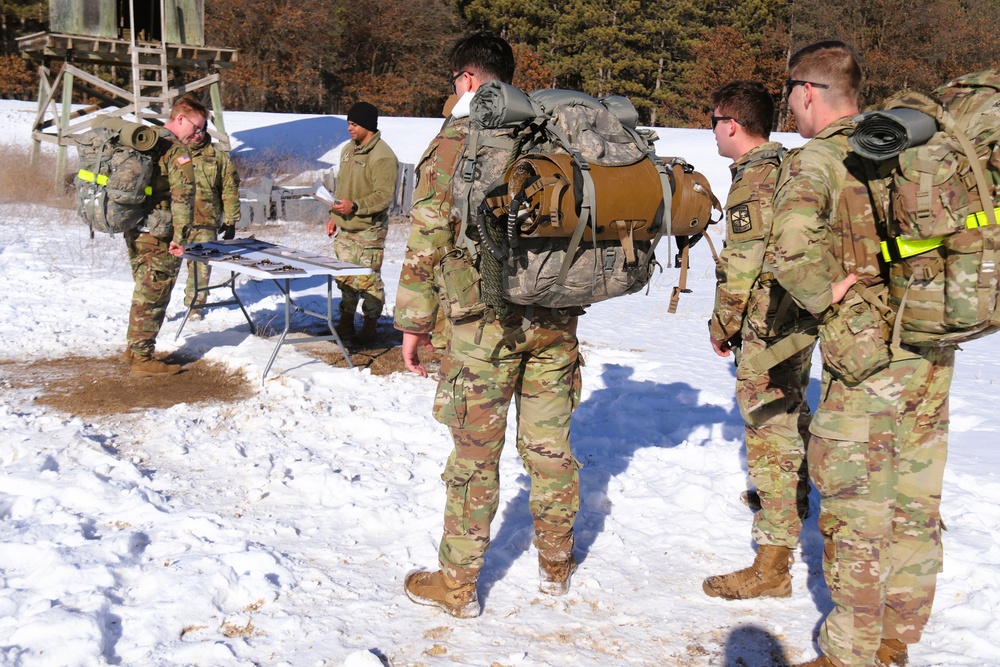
(718, 119)
(791, 83)
(455, 78)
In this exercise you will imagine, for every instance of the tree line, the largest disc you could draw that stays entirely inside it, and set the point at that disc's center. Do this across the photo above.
(320, 56)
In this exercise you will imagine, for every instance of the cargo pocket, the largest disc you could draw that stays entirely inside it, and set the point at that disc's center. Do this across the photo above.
(854, 569)
(839, 465)
(450, 407)
(457, 510)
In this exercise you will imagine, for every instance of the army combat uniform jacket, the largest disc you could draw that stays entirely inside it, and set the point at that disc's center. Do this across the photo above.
(173, 191)
(743, 292)
(217, 187)
(879, 444)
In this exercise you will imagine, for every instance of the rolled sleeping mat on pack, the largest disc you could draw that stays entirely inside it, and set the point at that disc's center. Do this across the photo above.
(134, 135)
(623, 109)
(549, 190)
(497, 104)
(620, 107)
(881, 135)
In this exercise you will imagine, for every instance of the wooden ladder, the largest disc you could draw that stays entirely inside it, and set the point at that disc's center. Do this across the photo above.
(150, 74)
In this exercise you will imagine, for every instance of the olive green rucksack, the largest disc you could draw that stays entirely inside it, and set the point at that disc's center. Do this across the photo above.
(939, 198)
(115, 176)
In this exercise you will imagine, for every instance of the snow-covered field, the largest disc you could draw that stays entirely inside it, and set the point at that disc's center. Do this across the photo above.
(277, 530)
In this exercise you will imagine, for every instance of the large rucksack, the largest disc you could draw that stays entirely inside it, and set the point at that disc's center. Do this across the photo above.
(940, 196)
(115, 176)
(562, 199)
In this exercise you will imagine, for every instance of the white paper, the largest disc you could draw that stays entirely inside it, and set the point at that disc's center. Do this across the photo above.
(326, 196)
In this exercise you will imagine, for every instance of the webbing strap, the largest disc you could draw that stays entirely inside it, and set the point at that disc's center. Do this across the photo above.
(784, 349)
(675, 294)
(101, 179)
(587, 207)
(681, 285)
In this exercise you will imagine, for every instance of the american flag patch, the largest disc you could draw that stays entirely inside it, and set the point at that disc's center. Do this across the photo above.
(184, 159)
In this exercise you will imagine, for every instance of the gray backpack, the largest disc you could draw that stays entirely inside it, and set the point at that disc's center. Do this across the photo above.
(562, 199)
(115, 176)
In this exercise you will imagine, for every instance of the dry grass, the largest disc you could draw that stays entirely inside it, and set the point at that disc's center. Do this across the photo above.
(24, 183)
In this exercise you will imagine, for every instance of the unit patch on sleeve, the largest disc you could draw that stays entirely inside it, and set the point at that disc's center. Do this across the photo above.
(739, 219)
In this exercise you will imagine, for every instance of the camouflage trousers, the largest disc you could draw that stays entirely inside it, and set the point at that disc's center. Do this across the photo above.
(541, 373)
(154, 271)
(774, 408)
(201, 269)
(877, 456)
(364, 248)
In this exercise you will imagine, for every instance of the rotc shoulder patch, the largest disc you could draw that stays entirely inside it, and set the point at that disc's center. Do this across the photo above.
(739, 219)
(184, 159)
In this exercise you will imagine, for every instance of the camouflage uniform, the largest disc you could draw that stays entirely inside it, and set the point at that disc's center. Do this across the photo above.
(878, 446)
(488, 363)
(772, 402)
(367, 177)
(153, 268)
(216, 199)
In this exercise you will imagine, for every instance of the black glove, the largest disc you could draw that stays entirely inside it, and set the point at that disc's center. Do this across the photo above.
(228, 232)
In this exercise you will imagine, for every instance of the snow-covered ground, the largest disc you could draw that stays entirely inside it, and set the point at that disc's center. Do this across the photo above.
(277, 530)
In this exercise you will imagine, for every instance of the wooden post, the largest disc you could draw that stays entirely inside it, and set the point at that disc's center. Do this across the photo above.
(67, 109)
(44, 90)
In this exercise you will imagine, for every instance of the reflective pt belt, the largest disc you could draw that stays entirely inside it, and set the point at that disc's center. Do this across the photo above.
(896, 249)
(101, 179)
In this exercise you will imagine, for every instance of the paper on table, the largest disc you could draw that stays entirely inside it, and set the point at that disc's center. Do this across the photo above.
(326, 196)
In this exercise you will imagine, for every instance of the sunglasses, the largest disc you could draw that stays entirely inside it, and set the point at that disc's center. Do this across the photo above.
(791, 83)
(455, 78)
(718, 119)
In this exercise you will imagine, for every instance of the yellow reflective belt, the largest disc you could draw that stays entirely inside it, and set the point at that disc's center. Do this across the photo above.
(103, 180)
(979, 219)
(897, 248)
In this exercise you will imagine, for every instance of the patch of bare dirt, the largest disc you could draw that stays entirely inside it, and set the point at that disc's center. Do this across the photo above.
(90, 386)
(383, 355)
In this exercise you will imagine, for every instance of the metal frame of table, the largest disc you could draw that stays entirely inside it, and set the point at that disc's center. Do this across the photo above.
(280, 265)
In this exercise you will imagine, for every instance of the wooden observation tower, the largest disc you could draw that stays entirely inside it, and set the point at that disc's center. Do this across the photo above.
(159, 41)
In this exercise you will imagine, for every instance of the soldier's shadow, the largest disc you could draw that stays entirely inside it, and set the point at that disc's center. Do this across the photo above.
(608, 428)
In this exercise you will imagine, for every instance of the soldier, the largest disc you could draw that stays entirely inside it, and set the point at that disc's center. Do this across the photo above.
(216, 200)
(366, 184)
(155, 246)
(488, 362)
(748, 303)
(879, 435)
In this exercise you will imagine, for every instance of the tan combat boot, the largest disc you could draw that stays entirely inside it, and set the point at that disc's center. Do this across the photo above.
(345, 326)
(434, 589)
(368, 330)
(767, 577)
(891, 652)
(554, 576)
(147, 367)
(821, 661)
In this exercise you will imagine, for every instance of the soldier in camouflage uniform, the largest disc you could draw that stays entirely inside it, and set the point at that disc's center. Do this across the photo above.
(748, 302)
(366, 184)
(156, 245)
(879, 435)
(532, 358)
(216, 200)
